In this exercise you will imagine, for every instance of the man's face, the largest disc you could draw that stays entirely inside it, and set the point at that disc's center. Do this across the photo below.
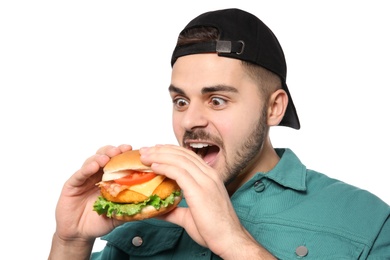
(217, 111)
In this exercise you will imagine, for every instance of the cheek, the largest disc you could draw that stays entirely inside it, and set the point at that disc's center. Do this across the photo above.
(235, 129)
(230, 128)
(178, 131)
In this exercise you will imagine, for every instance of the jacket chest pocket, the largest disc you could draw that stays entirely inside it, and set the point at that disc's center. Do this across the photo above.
(142, 240)
(288, 242)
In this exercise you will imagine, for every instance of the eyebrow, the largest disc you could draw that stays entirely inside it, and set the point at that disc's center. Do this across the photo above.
(172, 88)
(205, 90)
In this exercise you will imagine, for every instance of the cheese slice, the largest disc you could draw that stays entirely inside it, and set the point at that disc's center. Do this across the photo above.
(147, 188)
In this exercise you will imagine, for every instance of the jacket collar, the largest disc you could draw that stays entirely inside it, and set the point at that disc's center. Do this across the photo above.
(289, 172)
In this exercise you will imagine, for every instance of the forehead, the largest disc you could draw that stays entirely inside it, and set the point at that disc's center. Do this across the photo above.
(200, 70)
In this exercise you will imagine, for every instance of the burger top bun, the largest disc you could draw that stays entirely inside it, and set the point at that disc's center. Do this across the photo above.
(129, 160)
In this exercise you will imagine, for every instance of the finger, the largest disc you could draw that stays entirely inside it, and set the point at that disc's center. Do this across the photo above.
(183, 178)
(178, 216)
(182, 217)
(189, 154)
(111, 150)
(104, 149)
(125, 147)
(174, 155)
(192, 175)
(100, 159)
(108, 151)
(87, 171)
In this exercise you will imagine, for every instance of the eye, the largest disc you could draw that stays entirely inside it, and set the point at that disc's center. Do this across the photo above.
(218, 102)
(180, 103)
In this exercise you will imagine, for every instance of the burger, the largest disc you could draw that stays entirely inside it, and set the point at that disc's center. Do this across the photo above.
(131, 191)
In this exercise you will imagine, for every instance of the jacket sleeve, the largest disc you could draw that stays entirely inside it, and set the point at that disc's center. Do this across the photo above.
(381, 246)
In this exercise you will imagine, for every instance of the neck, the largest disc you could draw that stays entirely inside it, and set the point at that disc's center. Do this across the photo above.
(263, 162)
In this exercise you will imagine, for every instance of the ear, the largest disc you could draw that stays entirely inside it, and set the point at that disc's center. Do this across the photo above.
(276, 107)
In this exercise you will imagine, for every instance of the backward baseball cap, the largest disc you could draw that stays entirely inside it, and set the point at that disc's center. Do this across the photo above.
(245, 37)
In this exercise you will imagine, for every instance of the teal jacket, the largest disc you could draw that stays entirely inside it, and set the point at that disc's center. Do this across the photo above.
(291, 211)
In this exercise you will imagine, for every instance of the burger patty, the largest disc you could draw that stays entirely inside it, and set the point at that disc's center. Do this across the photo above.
(128, 196)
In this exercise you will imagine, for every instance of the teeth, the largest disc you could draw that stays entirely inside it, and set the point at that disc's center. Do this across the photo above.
(198, 145)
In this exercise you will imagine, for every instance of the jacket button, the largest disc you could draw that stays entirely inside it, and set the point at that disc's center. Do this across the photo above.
(259, 186)
(301, 251)
(137, 241)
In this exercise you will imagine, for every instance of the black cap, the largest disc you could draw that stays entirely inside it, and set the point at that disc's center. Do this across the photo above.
(242, 36)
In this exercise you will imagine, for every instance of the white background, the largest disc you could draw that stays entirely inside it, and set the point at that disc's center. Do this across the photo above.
(77, 75)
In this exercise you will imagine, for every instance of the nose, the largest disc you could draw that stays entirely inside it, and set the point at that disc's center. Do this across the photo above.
(195, 116)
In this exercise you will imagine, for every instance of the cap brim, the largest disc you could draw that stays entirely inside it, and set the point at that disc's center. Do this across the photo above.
(290, 117)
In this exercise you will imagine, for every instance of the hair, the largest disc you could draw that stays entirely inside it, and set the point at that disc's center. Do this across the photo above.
(268, 81)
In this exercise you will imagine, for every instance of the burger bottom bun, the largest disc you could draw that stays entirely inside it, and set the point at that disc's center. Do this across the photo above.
(149, 212)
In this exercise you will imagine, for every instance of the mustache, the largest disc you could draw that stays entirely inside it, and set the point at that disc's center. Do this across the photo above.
(200, 134)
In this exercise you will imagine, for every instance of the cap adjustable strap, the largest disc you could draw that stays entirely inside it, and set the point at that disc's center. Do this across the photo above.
(230, 47)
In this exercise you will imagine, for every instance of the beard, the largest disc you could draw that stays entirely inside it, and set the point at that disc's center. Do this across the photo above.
(249, 149)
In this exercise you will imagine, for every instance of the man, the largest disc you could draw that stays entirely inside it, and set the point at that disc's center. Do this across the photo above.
(243, 199)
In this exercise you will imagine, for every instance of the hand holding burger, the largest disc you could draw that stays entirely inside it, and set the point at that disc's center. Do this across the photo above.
(131, 191)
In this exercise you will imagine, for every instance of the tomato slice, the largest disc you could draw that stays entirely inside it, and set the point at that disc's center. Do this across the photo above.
(136, 178)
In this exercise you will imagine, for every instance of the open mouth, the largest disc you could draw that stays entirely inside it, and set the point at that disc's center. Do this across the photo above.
(207, 152)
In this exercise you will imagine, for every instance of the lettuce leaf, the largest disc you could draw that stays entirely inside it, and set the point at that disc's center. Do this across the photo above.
(103, 206)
